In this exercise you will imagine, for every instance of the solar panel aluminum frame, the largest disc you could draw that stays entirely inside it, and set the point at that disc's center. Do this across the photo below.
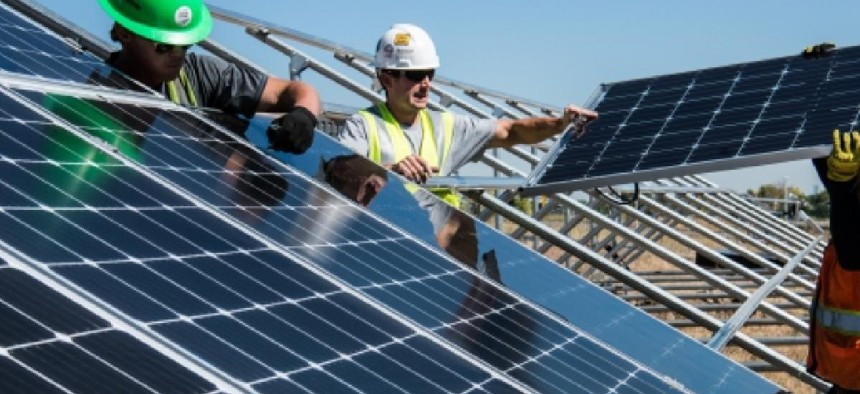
(116, 315)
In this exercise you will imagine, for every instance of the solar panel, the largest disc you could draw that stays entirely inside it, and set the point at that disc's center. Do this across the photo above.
(28, 49)
(376, 260)
(259, 318)
(538, 279)
(719, 118)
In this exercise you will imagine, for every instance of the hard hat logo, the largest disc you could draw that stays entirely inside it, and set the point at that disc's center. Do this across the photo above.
(182, 16)
(402, 39)
(388, 50)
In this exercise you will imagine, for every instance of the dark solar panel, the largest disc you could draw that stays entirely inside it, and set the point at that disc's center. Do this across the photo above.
(285, 207)
(27, 49)
(538, 279)
(51, 344)
(135, 243)
(713, 119)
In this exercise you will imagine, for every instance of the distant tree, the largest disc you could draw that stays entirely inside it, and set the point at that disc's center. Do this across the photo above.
(779, 192)
(818, 205)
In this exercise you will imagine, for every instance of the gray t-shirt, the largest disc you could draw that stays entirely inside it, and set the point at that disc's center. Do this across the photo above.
(469, 139)
(221, 85)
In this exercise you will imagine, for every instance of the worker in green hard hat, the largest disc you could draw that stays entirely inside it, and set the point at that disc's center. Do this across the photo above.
(155, 36)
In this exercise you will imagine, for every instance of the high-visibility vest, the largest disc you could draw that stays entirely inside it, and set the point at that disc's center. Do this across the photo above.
(173, 92)
(428, 151)
(834, 352)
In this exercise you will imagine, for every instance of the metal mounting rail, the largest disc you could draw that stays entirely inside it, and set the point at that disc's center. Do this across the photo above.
(733, 324)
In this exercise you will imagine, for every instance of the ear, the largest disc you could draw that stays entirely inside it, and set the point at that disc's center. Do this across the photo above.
(121, 34)
(384, 79)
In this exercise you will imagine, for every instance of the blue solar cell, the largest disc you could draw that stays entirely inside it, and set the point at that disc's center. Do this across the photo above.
(94, 358)
(146, 365)
(733, 110)
(15, 379)
(26, 49)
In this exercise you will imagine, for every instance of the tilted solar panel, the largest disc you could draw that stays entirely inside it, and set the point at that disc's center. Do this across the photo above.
(181, 274)
(27, 49)
(707, 120)
(540, 280)
(376, 260)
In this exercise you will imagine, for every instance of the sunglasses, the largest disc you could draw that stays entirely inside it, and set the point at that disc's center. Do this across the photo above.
(162, 48)
(413, 75)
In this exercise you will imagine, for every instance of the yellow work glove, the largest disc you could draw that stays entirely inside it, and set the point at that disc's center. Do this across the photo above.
(816, 51)
(844, 160)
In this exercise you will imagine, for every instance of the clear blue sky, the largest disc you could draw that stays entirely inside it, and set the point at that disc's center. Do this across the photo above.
(556, 51)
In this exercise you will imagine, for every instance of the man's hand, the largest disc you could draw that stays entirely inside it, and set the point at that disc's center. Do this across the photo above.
(844, 160)
(414, 168)
(579, 118)
(293, 132)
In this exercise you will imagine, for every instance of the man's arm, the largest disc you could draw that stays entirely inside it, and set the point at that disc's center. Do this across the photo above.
(533, 130)
(838, 173)
(281, 95)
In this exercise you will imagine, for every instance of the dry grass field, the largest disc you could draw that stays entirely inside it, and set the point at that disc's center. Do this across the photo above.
(651, 264)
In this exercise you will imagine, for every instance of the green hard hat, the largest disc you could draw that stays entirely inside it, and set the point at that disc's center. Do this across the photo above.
(176, 22)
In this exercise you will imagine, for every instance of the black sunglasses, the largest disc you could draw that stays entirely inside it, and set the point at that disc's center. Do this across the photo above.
(162, 48)
(413, 75)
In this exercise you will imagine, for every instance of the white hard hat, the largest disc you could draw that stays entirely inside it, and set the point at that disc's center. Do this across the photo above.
(405, 47)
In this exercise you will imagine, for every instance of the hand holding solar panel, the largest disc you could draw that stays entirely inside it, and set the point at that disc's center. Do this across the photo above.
(820, 50)
(293, 132)
(843, 162)
(577, 118)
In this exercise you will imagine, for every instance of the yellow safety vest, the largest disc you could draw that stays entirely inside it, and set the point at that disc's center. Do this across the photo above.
(173, 90)
(402, 148)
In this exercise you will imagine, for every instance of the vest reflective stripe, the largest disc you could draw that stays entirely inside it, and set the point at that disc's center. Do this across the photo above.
(173, 90)
(846, 322)
(401, 148)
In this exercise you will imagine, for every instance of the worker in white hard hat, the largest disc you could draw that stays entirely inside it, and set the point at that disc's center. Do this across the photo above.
(404, 136)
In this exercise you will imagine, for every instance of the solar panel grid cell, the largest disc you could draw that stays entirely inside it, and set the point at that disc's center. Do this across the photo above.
(43, 334)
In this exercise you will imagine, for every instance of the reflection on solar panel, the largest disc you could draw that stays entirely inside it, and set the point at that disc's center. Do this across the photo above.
(713, 119)
(537, 278)
(181, 274)
(136, 247)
